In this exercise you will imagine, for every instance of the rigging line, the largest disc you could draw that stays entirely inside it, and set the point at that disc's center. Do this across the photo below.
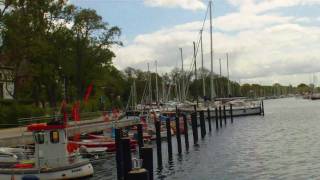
(198, 43)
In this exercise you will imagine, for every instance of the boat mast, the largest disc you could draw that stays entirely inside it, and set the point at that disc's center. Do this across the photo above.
(195, 71)
(202, 68)
(229, 87)
(157, 90)
(149, 86)
(134, 94)
(182, 78)
(220, 78)
(163, 89)
(213, 94)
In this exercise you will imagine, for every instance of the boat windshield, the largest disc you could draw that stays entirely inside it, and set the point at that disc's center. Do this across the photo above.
(39, 137)
(54, 136)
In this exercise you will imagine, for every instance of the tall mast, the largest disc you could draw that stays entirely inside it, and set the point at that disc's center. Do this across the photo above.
(213, 94)
(202, 68)
(157, 90)
(229, 87)
(149, 86)
(220, 67)
(220, 78)
(163, 90)
(195, 70)
(134, 94)
(183, 89)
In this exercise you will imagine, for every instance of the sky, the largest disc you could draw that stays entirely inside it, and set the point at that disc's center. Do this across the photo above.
(268, 41)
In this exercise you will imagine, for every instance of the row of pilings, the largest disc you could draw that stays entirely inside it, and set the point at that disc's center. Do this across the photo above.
(125, 169)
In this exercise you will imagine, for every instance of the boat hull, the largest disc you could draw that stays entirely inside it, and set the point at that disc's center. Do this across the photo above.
(109, 145)
(74, 172)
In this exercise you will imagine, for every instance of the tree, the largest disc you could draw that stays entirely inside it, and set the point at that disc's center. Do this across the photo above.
(93, 40)
(303, 88)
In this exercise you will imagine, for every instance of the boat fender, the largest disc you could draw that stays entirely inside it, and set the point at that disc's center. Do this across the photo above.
(30, 177)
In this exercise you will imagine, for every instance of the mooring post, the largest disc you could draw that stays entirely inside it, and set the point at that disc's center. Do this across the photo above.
(127, 160)
(140, 137)
(138, 174)
(119, 158)
(209, 119)
(216, 117)
(194, 128)
(202, 125)
(158, 142)
(220, 116)
(224, 115)
(262, 107)
(231, 113)
(186, 135)
(178, 135)
(169, 139)
(147, 160)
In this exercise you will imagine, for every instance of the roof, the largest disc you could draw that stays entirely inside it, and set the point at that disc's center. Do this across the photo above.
(44, 127)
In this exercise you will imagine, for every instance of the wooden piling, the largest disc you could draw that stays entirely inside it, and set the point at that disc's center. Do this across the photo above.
(224, 115)
(169, 139)
(147, 160)
(262, 107)
(186, 135)
(138, 174)
(220, 116)
(216, 117)
(119, 157)
(127, 160)
(194, 128)
(209, 119)
(178, 134)
(158, 142)
(202, 125)
(231, 113)
(140, 137)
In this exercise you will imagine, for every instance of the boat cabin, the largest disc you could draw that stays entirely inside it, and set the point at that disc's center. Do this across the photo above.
(50, 145)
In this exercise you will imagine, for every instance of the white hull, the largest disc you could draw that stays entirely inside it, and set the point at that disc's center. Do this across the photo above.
(243, 111)
(72, 173)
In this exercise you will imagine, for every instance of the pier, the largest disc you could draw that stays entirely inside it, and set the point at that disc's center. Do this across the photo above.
(19, 136)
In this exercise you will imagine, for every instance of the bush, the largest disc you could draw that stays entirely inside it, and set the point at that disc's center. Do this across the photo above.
(11, 112)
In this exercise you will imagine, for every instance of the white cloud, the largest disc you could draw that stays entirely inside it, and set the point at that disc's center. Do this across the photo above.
(263, 47)
(185, 4)
(303, 20)
(260, 6)
(272, 47)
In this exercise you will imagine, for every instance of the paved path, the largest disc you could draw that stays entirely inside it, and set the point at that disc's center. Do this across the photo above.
(19, 136)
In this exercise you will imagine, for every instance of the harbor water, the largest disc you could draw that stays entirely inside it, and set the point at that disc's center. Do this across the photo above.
(284, 144)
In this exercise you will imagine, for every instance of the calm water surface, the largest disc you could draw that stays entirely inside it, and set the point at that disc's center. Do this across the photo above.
(284, 144)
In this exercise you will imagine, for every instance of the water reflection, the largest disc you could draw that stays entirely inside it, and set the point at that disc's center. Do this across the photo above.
(284, 144)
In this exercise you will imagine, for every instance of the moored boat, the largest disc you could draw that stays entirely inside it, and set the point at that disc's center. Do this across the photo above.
(53, 159)
(101, 143)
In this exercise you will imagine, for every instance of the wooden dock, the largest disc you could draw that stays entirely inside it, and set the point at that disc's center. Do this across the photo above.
(19, 135)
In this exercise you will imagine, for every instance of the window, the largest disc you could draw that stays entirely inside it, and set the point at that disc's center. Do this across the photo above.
(39, 137)
(54, 136)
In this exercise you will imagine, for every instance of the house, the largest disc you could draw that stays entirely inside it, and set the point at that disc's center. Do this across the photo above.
(6, 82)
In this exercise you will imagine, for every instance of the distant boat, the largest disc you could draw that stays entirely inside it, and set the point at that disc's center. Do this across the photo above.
(102, 143)
(315, 96)
(7, 159)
